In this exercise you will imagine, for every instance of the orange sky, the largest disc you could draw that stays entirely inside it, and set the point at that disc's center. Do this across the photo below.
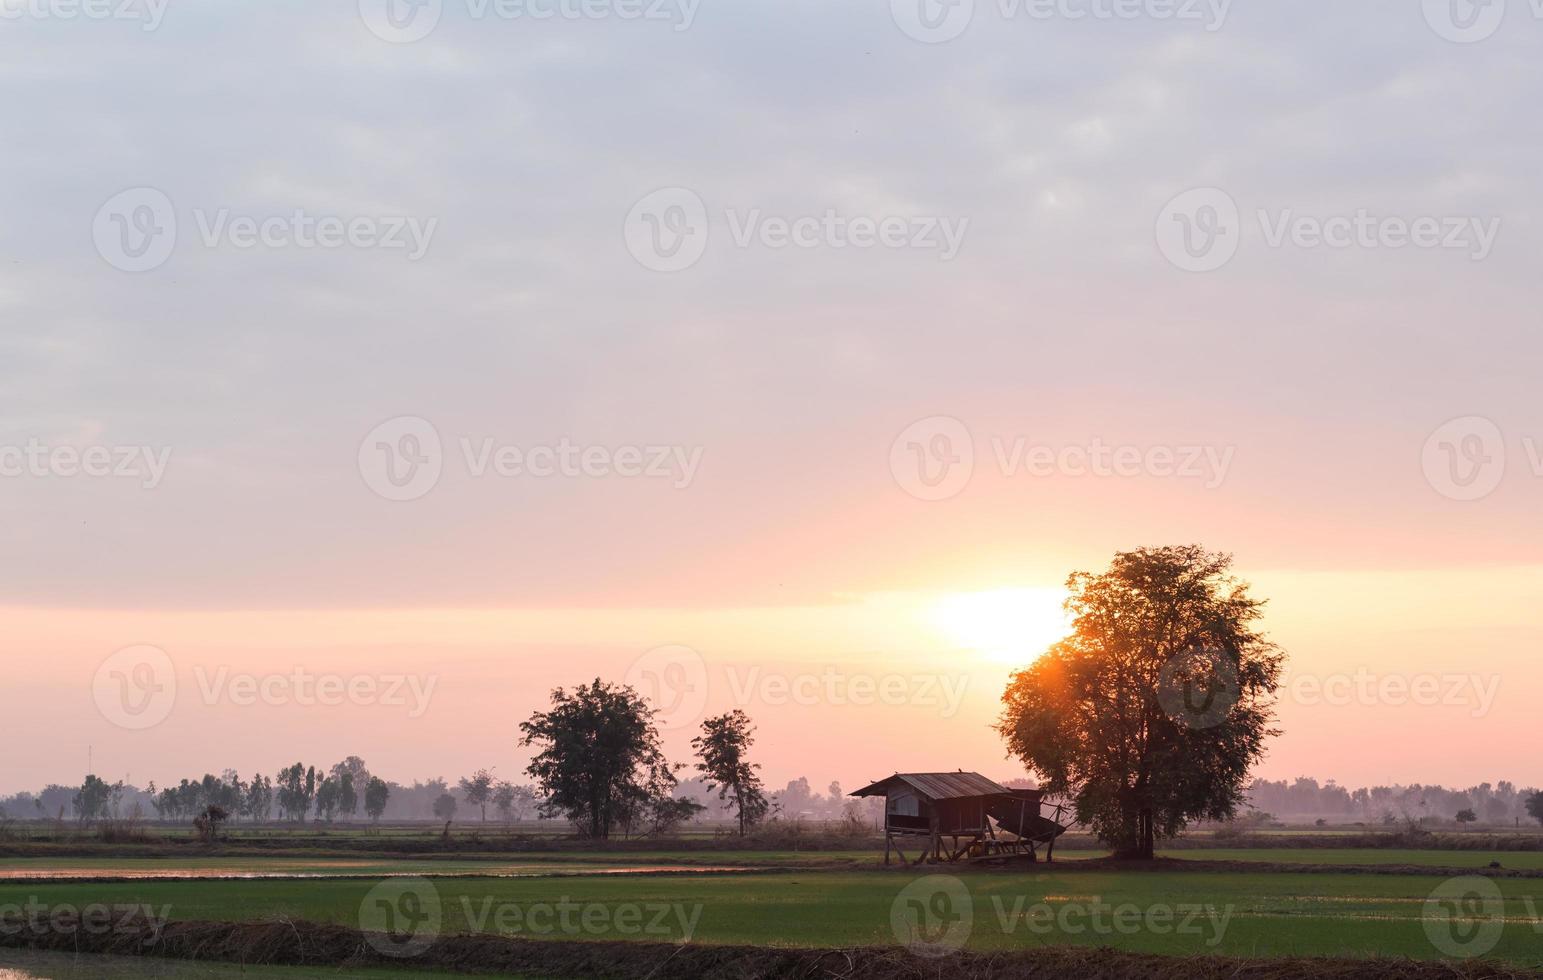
(339, 457)
(1406, 676)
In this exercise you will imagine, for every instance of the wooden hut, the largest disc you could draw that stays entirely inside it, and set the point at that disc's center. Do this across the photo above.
(981, 818)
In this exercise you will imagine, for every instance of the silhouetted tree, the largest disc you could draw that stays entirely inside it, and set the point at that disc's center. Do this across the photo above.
(375, 796)
(327, 798)
(353, 778)
(91, 802)
(1152, 711)
(478, 790)
(598, 761)
(259, 799)
(722, 747)
(296, 790)
(208, 822)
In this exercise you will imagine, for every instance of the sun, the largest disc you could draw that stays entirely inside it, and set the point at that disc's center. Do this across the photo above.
(1006, 625)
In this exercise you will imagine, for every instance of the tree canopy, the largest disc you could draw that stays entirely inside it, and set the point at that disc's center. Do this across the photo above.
(599, 762)
(1153, 710)
(376, 793)
(721, 748)
(478, 790)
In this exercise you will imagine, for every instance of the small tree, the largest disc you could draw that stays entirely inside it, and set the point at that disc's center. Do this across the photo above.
(478, 790)
(663, 813)
(1466, 816)
(445, 807)
(513, 802)
(375, 796)
(598, 762)
(208, 822)
(721, 748)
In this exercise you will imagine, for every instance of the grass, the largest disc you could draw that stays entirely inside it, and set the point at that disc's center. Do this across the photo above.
(1273, 914)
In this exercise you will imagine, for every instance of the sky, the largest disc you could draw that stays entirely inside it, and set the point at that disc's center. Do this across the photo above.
(368, 371)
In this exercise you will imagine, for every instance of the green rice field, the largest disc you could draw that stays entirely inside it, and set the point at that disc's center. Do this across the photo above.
(1255, 914)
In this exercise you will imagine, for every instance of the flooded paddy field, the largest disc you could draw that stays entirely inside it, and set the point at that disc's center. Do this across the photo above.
(100, 868)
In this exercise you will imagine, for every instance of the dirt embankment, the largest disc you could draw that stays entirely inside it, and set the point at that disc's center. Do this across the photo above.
(1363, 840)
(1199, 863)
(309, 944)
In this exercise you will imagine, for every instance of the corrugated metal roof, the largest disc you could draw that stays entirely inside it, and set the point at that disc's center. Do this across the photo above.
(938, 785)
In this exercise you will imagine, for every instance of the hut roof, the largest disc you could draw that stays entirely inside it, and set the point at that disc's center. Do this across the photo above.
(937, 785)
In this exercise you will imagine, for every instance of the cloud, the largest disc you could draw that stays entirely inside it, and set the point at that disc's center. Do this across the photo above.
(528, 321)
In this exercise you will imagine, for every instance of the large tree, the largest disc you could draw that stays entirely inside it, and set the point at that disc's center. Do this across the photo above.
(721, 751)
(598, 759)
(1152, 711)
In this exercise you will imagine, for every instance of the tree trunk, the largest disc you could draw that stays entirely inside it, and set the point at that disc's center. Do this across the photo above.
(1137, 841)
(1128, 846)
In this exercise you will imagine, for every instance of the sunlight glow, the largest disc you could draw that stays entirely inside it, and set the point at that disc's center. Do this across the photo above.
(1007, 625)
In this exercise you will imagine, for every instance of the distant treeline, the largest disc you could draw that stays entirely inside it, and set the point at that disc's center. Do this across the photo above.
(340, 793)
(1499, 804)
